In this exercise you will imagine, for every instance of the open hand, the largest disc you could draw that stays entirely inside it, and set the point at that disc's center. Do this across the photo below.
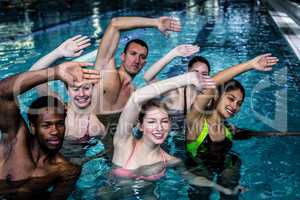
(263, 62)
(72, 72)
(203, 82)
(166, 24)
(185, 50)
(73, 47)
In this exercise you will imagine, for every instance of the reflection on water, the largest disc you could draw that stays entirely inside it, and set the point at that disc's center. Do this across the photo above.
(228, 32)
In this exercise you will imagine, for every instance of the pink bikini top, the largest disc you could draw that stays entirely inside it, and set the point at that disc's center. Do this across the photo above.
(86, 136)
(128, 173)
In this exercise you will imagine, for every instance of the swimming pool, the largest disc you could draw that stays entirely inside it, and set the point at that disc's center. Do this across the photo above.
(228, 33)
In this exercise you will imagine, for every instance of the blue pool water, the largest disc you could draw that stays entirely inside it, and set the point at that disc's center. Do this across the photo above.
(228, 33)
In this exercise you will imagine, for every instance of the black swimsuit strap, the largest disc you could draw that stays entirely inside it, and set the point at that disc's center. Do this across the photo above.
(184, 102)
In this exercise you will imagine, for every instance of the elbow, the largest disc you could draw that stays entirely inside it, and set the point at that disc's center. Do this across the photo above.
(146, 77)
(115, 23)
(137, 98)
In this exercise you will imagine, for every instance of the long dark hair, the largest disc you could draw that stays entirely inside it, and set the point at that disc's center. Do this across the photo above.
(226, 87)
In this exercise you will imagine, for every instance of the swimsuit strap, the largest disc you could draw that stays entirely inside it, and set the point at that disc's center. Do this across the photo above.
(193, 146)
(184, 102)
(88, 126)
(228, 134)
(130, 156)
(164, 159)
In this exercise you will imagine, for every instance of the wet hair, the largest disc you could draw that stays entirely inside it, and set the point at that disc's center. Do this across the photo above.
(137, 41)
(43, 102)
(226, 87)
(231, 85)
(148, 105)
(199, 59)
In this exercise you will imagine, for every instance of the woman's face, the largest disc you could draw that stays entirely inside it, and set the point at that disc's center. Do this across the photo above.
(156, 125)
(230, 103)
(81, 94)
(200, 67)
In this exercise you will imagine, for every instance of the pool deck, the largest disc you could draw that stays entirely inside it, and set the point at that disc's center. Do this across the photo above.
(286, 15)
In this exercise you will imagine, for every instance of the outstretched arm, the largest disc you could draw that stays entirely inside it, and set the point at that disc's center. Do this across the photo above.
(111, 83)
(110, 40)
(183, 50)
(130, 113)
(72, 47)
(244, 134)
(202, 181)
(261, 63)
(11, 87)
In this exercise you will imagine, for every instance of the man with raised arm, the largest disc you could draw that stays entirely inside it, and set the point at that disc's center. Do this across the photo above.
(116, 85)
(30, 164)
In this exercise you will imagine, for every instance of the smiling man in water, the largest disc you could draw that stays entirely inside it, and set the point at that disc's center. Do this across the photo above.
(30, 164)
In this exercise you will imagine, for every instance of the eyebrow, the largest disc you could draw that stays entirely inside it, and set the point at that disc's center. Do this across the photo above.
(232, 95)
(151, 118)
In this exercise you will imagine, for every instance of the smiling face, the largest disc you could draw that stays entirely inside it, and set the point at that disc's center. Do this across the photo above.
(134, 58)
(155, 125)
(81, 94)
(230, 103)
(49, 129)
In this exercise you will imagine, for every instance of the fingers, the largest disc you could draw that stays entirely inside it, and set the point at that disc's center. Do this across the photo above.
(192, 49)
(91, 76)
(78, 53)
(91, 72)
(187, 49)
(205, 82)
(83, 46)
(80, 39)
(175, 25)
(85, 64)
(266, 54)
(75, 37)
(272, 60)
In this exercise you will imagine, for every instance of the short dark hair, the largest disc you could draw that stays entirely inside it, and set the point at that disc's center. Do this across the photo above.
(199, 59)
(150, 104)
(137, 41)
(42, 102)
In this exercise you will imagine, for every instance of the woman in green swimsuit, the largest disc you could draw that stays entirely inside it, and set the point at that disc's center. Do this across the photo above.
(209, 139)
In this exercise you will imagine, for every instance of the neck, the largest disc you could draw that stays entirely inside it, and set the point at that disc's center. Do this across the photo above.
(78, 111)
(124, 74)
(148, 147)
(215, 118)
(40, 156)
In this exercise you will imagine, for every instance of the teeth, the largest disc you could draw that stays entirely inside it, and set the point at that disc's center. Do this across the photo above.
(158, 135)
(229, 111)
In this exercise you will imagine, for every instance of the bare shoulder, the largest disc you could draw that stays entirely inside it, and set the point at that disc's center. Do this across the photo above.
(172, 160)
(66, 167)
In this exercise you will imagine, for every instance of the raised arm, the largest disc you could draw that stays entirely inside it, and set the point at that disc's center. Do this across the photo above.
(130, 113)
(183, 50)
(11, 87)
(261, 63)
(70, 48)
(110, 40)
(110, 85)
